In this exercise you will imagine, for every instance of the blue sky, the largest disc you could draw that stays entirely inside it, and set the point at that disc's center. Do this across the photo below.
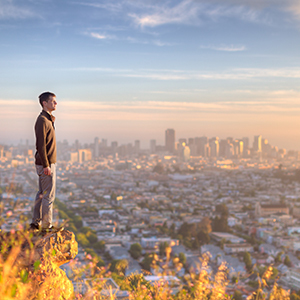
(126, 70)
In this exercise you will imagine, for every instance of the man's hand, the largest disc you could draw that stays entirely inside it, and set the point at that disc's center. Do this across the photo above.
(47, 171)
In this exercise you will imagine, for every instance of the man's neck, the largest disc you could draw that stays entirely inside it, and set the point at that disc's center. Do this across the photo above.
(49, 112)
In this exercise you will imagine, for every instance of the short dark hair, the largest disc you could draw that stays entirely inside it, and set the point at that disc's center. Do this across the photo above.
(45, 97)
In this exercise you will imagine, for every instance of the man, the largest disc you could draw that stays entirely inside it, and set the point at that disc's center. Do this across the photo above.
(45, 159)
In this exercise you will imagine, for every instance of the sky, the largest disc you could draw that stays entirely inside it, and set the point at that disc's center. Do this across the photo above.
(130, 69)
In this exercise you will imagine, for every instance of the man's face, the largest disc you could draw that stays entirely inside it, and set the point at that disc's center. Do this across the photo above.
(50, 105)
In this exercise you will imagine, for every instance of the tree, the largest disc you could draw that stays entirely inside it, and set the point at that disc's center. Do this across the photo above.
(205, 225)
(237, 295)
(287, 261)
(220, 224)
(182, 258)
(294, 297)
(278, 258)
(77, 221)
(147, 261)
(162, 248)
(222, 209)
(92, 237)
(135, 250)
(119, 266)
(63, 215)
(248, 261)
(100, 245)
(82, 240)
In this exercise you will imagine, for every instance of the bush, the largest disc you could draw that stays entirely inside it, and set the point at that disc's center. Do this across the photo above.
(135, 250)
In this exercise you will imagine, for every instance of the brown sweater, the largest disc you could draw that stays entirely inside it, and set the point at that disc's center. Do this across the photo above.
(45, 140)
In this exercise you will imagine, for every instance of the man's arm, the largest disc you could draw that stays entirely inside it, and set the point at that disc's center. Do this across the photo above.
(40, 132)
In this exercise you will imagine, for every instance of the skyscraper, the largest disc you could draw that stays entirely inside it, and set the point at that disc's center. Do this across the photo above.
(152, 146)
(170, 140)
(96, 147)
(257, 143)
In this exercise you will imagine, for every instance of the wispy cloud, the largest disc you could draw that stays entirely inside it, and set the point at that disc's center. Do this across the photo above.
(230, 48)
(149, 110)
(175, 75)
(129, 39)
(101, 36)
(9, 10)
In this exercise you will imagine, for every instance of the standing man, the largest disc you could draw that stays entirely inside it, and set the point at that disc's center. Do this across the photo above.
(45, 159)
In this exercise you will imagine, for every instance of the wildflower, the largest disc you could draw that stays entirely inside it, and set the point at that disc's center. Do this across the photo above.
(20, 227)
(89, 256)
(9, 213)
(12, 231)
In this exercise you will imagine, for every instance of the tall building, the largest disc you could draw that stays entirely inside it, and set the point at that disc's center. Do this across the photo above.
(246, 146)
(152, 146)
(170, 140)
(96, 147)
(137, 146)
(257, 143)
(103, 143)
(201, 143)
(184, 152)
(191, 141)
(214, 146)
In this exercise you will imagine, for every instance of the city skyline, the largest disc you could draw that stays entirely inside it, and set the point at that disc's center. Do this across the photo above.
(172, 145)
(127, 69)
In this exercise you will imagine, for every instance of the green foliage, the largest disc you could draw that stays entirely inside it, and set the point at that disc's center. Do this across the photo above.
(82, 240)
(77, 221)
(119, 266)
(287, 261)
(182, 258)
(162, 248)
(135, 250)
(85, 230)
(70, 226)
(147, 261)
(63, 215)
(248, 262)
(220, 224)
(294, 297)
(100, 262)
(237, 295)
(278, 257)
(92, 237)
(100, 245)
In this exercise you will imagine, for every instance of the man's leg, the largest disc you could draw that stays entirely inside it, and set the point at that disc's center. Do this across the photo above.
(48, 183)
(37, 209)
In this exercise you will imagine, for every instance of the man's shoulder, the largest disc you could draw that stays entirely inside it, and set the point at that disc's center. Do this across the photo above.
(42, 120)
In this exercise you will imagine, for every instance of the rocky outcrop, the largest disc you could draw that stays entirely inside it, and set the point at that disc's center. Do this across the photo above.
(36, 259)
(52, 251)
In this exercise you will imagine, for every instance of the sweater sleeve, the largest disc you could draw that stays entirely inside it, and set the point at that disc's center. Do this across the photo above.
(40, 132)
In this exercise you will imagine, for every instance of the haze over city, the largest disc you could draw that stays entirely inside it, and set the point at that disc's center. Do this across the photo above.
(126, 70)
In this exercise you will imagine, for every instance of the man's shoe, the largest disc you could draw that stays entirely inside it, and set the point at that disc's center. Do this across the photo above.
(34, 227)
(52, 229)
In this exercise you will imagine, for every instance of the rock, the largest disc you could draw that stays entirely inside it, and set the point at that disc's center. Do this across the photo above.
(39, 257)
(54, 250)
(61, 246)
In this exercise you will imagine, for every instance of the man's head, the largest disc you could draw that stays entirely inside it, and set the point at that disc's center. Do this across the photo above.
(48, 101)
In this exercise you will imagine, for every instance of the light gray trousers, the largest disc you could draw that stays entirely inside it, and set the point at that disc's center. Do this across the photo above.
(43, 205)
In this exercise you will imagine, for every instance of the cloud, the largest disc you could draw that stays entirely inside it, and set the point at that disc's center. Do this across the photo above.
(230, 48)
(150, 110)
(130, 39)
(8, 10)
(100, 36)
(176, 75)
